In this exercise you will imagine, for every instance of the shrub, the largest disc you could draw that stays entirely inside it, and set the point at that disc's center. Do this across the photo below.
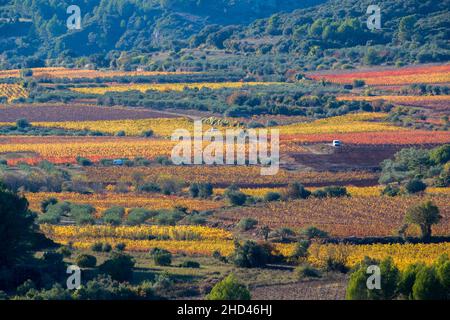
(301, 250)
(313, 232)
(297, 191)
(247, 224)
(106, 247)
(335, 191)
(137, 216)
(272, 196)
(236, 198)
(86, 261)
(194, 190)
(120, 246)
(83, 161)
(319, 194)
(119, 267)
(229, 289)
(190, 264)
(358, 83)
(113, 216)
(120, 133)
(169, 218)
(46, 202)
(148, 133)
(415, 186)
(251, 255)
(22, 123)
(150, 187)
(307, 271)
(391, 191)
(205, 190)
(161, 257)
(97, 247)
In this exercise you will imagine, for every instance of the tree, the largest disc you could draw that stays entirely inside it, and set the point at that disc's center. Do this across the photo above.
(119, 267)
(424, 215)
(427, 285)
(440, 155)
(229, 289)
(405, 28)
(357, 288)
(251, 254)
(18, 232)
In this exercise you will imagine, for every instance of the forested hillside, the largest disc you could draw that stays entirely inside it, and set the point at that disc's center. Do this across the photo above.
(38, 28)
(261, 37)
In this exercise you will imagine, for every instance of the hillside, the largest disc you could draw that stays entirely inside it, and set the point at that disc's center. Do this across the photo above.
(37, 28)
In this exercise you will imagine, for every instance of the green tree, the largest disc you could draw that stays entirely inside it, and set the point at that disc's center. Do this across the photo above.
(406, 28)
(229, 289)
(427, 285)
(424, 215)
(18, 232)
(440, 155)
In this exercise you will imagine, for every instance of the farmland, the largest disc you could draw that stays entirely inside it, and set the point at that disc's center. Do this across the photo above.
(12, 91)
(92, 156)
(402, 76)
(347, 217)
(171, 87)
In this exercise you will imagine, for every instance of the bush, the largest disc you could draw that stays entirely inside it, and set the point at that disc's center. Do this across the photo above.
(301, 250)
(120, 133)
(120, 246)
(150, 187)
(229, 289)
(113, 216)
(297, 191)
(137, 216)
(106, 247)
(415, 186)
(319, 194)
(86, 261)
(272, 196)
(119, 267)
(236, 198)
(335, 191)
(247, 224)
(307, 271)
(161, 257)
(148, 133)
(46, 202)
(22, 123)
(313, 232)
(83, 161)
(391, 191)
(190, 264)
(194, 190)
(251, 255)
(205, 190)
(97, 247)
